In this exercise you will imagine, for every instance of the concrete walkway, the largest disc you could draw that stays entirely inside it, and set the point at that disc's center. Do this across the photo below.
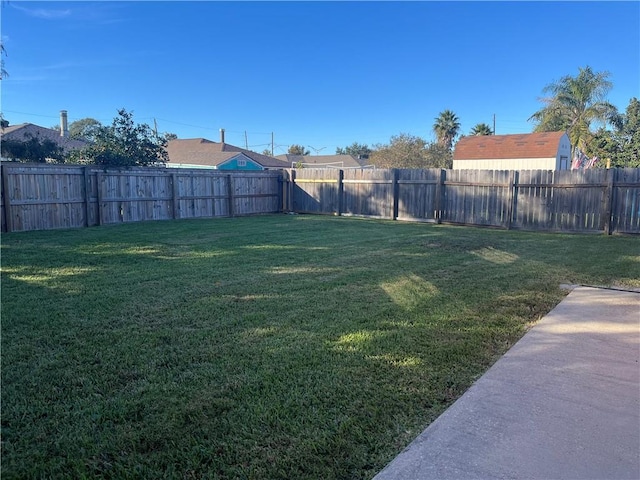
(563, 403)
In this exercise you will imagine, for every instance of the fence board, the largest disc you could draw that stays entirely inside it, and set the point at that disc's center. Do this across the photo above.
(4, 199)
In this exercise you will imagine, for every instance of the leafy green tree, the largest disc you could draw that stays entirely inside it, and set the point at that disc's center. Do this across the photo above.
(438, 156)
(33, 149)
(604, 144)
(403, 151)
(446, 128)
(267, 152)
(621, 146)
(170, 136)
(574, 104)
(84, 129)
(409, 151)
(355, 149)
(297, 150)
(481, 129)
(630, 136)
(124, 144)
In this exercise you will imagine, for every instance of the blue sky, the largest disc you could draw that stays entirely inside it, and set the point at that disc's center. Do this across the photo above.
(320, 74)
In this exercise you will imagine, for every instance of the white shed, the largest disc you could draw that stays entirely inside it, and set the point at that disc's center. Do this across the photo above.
(528, 151)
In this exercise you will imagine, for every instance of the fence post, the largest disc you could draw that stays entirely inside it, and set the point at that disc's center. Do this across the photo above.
(282, 182)
(230, 193)
(99, 195)
(396, 193)
(174, 195)
(286, 176)
(513, 197)
(213, 177)
(340, 191)
(8, 215)
(87, 195)
(437, 208)
(608, 202)
(292, 187)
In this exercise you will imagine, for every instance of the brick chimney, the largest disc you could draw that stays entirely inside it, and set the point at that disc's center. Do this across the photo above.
(64, 128)
(222, 135)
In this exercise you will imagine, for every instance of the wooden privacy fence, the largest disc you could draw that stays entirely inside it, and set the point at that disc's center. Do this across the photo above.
(42, 197)
(576, 201)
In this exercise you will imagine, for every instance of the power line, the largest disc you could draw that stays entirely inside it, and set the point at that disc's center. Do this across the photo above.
(144, 118)
(184, 124)
(31, 114)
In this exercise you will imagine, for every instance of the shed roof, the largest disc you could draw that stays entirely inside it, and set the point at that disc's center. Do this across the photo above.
(200, 151)
(525, 145)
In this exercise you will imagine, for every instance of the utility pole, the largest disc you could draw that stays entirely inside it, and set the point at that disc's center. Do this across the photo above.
(494, 123)
(272, 144)
(246, 142)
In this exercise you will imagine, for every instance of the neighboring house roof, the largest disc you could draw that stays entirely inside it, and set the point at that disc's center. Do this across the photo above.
(527, 145)
(24, 131)
(200, 151)
(347, 161)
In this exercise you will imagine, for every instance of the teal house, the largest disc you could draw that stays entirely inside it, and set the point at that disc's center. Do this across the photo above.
(239, 161)
(203, 153)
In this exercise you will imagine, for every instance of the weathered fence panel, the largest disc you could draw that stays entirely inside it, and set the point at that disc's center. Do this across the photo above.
(42, 197)
(3, 212)
(531, 199)
(254, 194)
(624, 206)
(38, 197)
(134, 196)
(199, 195)
(561, 200)
(418, 194)
(596, 200)
(316, 190)
(368, 193)
(478, 197)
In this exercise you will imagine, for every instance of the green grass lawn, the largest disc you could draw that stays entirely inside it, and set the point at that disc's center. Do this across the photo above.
(275, 347)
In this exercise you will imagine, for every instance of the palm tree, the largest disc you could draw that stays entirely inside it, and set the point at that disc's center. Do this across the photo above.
(575, 103)
(446, 128)
(481, 129)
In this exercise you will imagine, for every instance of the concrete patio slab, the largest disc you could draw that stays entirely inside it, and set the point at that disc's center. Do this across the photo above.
(563, 403)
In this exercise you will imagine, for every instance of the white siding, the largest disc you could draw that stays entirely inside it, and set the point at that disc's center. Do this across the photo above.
(188, 165)
(508, 164)
(563, 157)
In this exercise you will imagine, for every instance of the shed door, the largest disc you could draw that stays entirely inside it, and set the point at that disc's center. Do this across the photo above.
(564, 162)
